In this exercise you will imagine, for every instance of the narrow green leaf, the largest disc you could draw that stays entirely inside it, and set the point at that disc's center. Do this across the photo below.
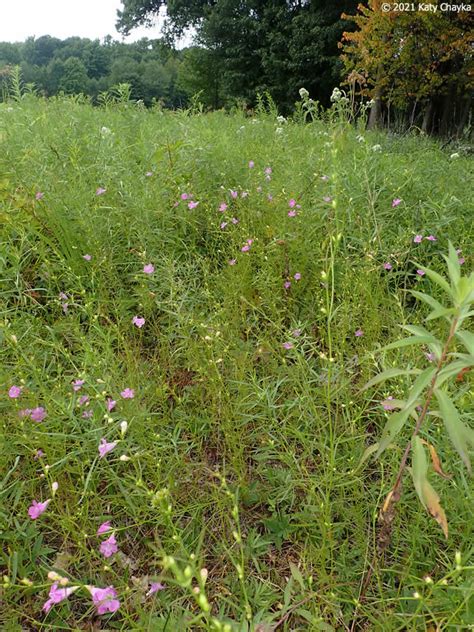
(440, 313)
(460, 435)
(417, 330)
(395, 423)
(419, 386)
(439, 280)
(385, 375)
(450, 370)
(432, 302)
(467, 338)
(408, 342)
(454, 269)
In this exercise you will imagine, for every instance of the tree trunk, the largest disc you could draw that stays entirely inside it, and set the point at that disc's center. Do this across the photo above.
(375, 116)
(446, 113)
(428, 115)
(465, 111)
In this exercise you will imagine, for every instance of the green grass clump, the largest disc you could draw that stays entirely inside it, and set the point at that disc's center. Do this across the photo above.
(235, 481)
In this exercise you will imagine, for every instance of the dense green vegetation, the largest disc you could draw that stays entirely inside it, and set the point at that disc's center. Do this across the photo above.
(221, 283)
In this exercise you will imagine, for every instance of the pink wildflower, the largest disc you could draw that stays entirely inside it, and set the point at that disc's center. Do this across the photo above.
(296, 333)
(39, 454)
(288, 345)
(292, 203)
(358, 333)
(418, 239)
(396, 202)
(14, 392)
(430, 357)
(56, 595)
(245, 248)
(431, 238)
(84, 399)
(386, 404)
(38, 414)
(36, 508)
(110, 404)
(297, 276)
(461, 260)
(149, 174)
(223, 225)
(268, 171)
(104, 527)
(223, 207)
(87, 257)
(287, 285)
(87, 414)
(39, 195)
(128, 393)
(154, 587)
(109, 547)
(324, 178)
(149, 268)
(138, 322)
(244, 194)
(100, 191)
(105, 447)
(292, 213)
(184, 196)
(327, 198)
(387, 266)
(269, 197)
(420, 272)
(76, 385)
(233, 194)
(232, 262)
(104, 599)
(251, 164)
(234, 220)
(192, 204)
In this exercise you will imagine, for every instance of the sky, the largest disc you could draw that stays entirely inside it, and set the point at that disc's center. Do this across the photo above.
(94, 19)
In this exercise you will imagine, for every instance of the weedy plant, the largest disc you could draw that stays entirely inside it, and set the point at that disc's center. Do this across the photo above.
(430, 396)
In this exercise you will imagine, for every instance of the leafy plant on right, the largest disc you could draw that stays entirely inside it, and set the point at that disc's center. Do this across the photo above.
(430, 395)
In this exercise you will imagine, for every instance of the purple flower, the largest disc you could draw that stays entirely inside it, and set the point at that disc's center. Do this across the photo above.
(38, 414)
(104, 599)
(288, 345)
(296, 333)
(87, 414)
(245, 248)
(244, 194)
(56, 595)
(327, 198)
(292, 213)
(100, 191)
(358, 333)
(223, 207)
(418, 239)
(287, 285)
(223, 225)
(268, 171)
(430, 357)
(37, 508)
(387, 266)
(192, 204)
(39, 195)
(184, 196)
(128, 393)
(461, 260)
(232, 262)
(269, 197)
(110, 404)
(104, 527)
(233, 194)
(297, 276)
(87, 257)
(14, 392)
(105, 447)
(149, 268)
(234, 220)
(154, 587)
(76, 385)
(324, 178)
(39, 454)
(396, 202)
(386, 403)
(149, 174)
(138, 322)
(292, 203)
(431, 238)
(251, 164)
(84, 399)
(420, 272)
(108, 547)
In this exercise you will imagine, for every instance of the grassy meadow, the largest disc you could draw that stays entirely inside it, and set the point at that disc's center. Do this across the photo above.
(190, 306)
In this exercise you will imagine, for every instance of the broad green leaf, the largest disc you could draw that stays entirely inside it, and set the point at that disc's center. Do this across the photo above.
(395, 423)
(460, 435)
(407, 342)
(454, 269)
(467, 338)
(450, 370)
(432, 302)
(440, 313)
(438, 279)
(417, 330)
(427, 495)
(419, 386)
(385, 375)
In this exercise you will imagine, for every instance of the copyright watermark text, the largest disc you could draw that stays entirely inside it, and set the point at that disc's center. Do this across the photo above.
(443, 7)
